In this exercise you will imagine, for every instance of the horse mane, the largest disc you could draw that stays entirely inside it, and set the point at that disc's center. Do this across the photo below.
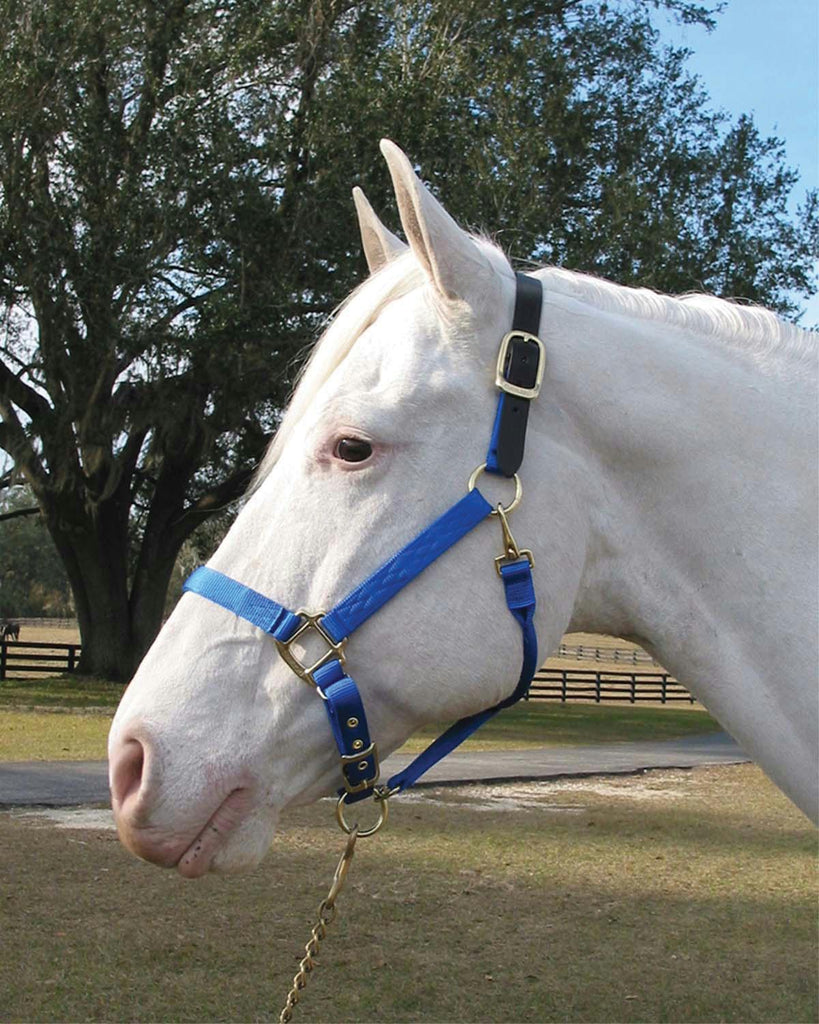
(756, 331)
(751, 329)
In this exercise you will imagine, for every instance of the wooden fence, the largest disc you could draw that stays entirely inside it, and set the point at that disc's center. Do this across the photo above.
(602, 687)
(23, 658)
(27, 657)
(45, 623)
(621, 655)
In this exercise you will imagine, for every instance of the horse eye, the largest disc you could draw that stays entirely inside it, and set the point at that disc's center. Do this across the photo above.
(352, 449)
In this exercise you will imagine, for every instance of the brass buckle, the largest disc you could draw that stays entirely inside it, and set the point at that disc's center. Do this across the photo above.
(305, 672)
(360, 756)
(515, 389)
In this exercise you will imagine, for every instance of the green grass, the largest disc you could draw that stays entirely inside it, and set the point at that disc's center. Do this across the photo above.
(65, 730)
(64, 691)
(551, 724)
(36, 736)
(50, 736)
(669, 897)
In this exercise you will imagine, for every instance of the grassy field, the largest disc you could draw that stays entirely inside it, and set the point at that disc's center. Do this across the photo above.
(674, 896)
(29, 732)
(550, 724)
(64, 691)
(48, 736)
(68, 730)
(77, 736)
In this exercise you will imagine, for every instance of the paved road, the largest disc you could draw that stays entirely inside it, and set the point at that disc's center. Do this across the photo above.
(74, 783)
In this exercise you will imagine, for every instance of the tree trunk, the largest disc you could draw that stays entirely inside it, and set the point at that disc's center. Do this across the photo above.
(105, 631)
(148, 594)
(120, 600)
(93, 547)
(115, 630)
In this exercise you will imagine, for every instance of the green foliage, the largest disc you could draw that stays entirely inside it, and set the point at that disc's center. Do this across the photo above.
(578, 138)
(32, 577)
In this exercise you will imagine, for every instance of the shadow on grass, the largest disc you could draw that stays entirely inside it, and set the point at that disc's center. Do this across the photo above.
(452, 915)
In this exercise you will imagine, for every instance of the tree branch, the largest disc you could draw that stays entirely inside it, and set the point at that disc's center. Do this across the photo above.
(18, 512)
(14, 390)
(190, 303)
(156, 62)
(15, 441)
(229, 490)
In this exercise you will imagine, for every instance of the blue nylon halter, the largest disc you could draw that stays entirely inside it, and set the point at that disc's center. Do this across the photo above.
(342, 700)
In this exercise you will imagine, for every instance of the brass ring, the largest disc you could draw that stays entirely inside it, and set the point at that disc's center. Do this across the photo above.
(518, 490)
(383, 813)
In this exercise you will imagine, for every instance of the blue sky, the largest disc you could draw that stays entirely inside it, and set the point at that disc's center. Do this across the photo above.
(763, 58)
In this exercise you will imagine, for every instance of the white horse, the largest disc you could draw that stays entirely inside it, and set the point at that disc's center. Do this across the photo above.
(670, 498)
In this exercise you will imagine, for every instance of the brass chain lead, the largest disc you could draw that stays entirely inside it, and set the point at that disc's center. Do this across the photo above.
(326, 915)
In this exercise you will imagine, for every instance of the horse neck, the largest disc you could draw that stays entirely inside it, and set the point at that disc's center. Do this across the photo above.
(696, 473)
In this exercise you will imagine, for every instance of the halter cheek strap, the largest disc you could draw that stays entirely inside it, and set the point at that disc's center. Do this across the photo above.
(519, 374)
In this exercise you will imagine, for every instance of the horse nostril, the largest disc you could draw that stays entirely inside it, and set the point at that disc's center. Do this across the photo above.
(127, 763)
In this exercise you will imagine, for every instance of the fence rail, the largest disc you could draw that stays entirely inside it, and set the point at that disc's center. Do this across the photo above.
(44, 623)
(621, 655)
(22, 656)
(19, 656)
(602, 687)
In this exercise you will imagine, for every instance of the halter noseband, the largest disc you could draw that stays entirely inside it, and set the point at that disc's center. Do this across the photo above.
(520, 367)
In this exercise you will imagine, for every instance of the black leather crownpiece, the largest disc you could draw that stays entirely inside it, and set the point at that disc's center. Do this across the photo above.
(520, 369)
(528, 304)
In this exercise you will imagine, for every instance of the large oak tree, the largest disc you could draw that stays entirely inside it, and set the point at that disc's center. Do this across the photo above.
(175, 223)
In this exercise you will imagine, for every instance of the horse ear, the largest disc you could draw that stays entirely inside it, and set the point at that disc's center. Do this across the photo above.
(379, 243)
(453, 262)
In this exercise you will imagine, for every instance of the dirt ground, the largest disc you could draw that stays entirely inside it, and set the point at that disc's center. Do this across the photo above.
(672, 896)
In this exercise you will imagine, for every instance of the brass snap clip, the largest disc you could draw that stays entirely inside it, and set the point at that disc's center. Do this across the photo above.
(511, 551)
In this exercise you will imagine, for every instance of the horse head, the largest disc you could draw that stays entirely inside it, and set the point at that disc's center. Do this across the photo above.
(215, 734)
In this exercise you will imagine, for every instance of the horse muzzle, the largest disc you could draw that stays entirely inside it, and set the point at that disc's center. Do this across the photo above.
(202, 828)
